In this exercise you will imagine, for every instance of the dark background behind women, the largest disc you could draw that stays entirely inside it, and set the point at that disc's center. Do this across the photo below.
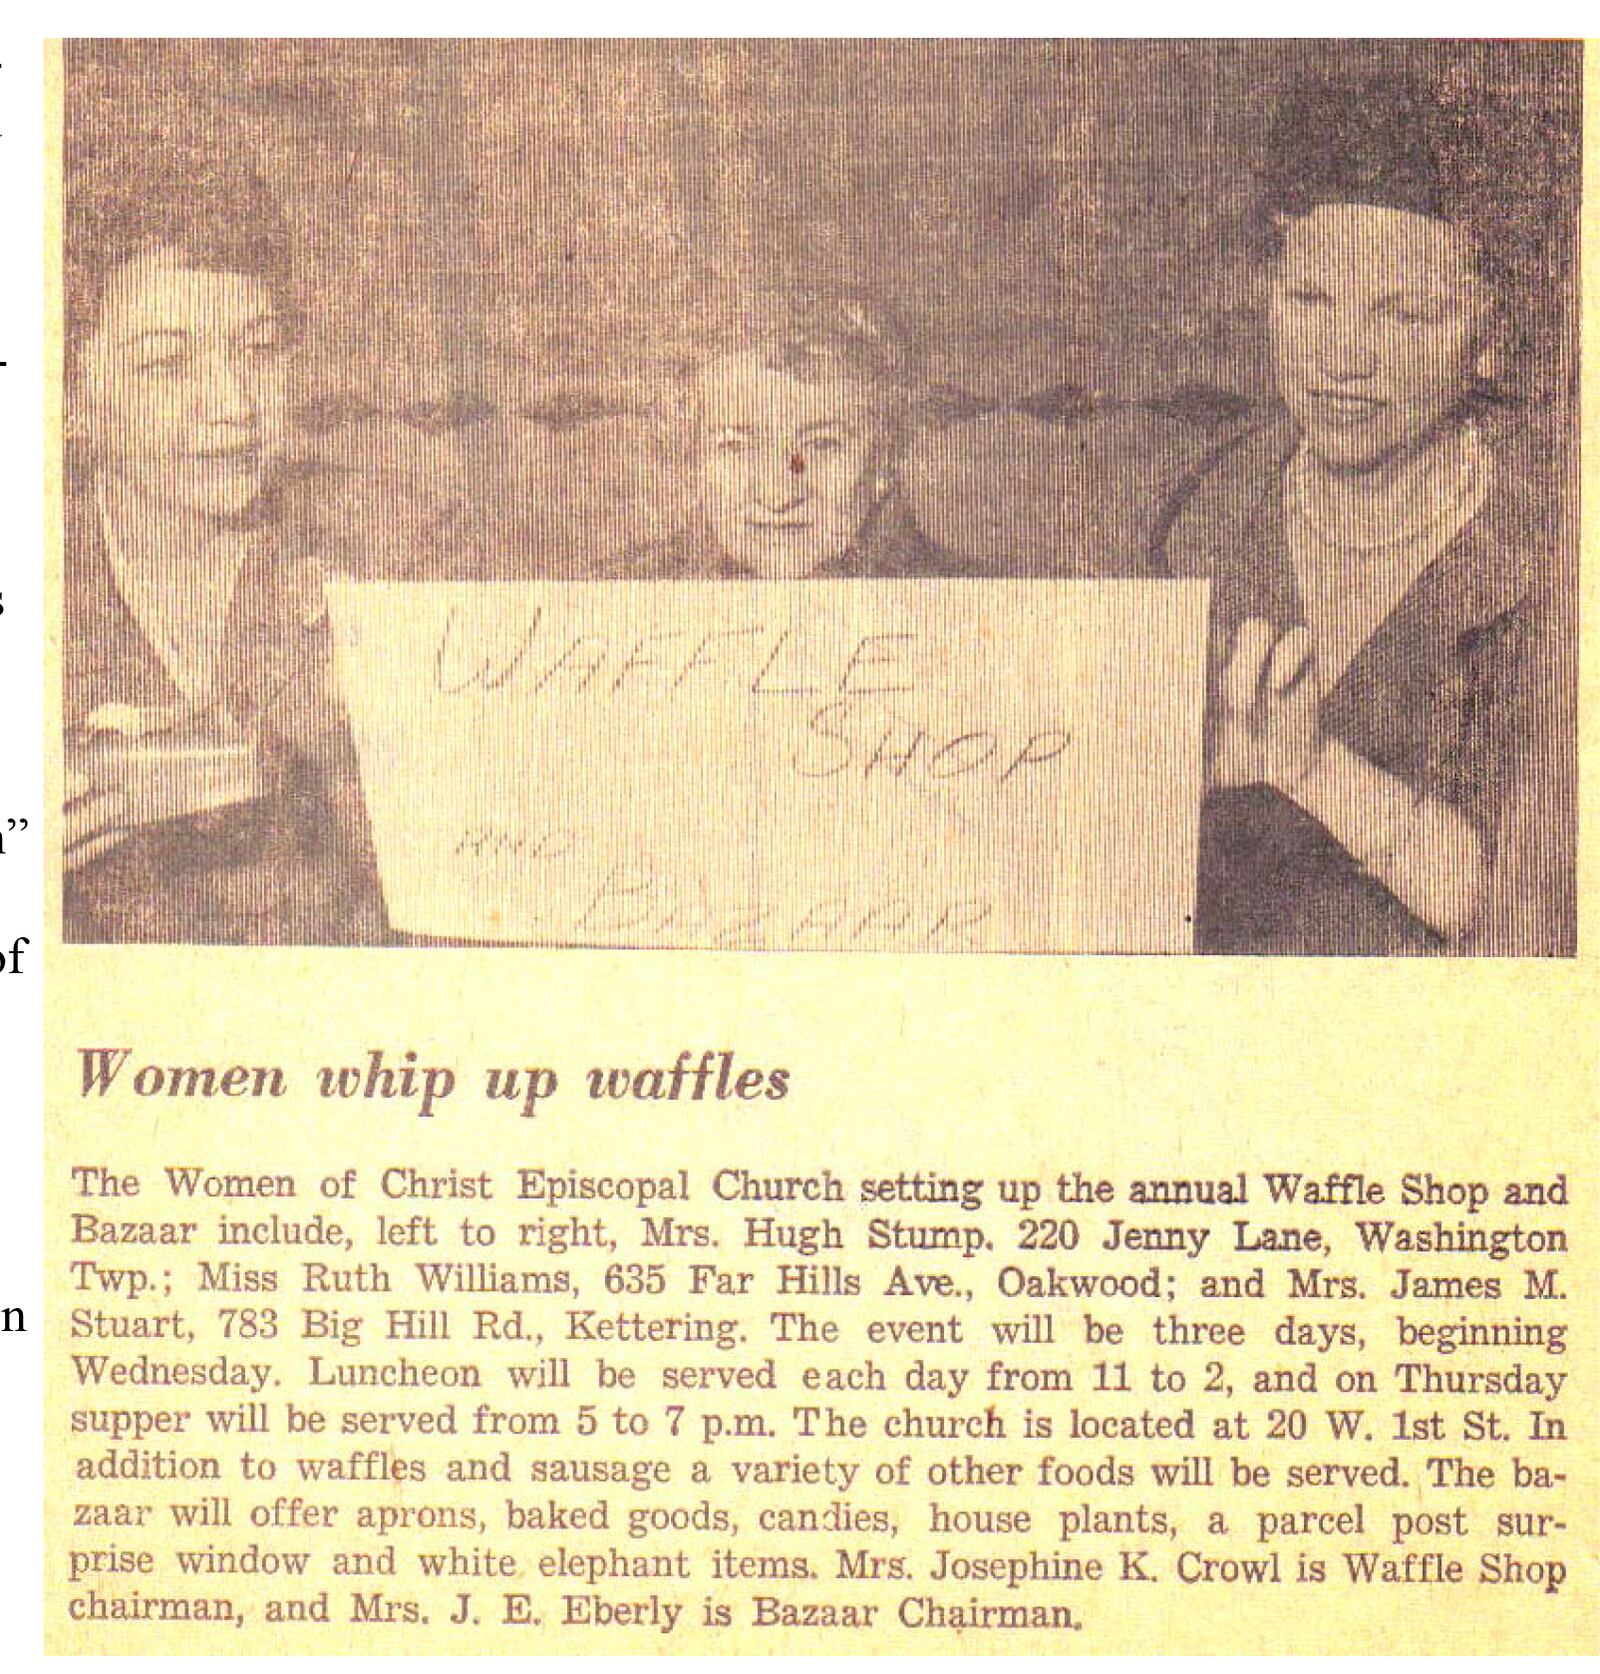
(516, 251)
(513, 247)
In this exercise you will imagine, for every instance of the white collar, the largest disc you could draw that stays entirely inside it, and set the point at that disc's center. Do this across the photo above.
(181, 610)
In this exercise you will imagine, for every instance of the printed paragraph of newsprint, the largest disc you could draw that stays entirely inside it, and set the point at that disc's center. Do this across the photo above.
(812, 848)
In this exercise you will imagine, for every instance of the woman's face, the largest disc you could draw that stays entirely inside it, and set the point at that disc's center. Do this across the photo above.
(1377, 317)
(788, 466)
(185, 385)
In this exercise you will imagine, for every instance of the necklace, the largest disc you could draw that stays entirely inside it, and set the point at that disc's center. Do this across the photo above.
(1464, 494)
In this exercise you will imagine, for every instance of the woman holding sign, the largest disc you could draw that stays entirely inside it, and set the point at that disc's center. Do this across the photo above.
(211, 786)
(1374, 547)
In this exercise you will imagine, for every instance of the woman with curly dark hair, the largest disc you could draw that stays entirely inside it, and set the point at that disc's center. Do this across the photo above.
(212, 793)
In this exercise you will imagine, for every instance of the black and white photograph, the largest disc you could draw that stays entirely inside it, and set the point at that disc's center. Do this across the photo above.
(1095, 496)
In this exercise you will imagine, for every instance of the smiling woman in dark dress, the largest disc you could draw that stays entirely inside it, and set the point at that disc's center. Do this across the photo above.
(1373, 549)
(212, 793)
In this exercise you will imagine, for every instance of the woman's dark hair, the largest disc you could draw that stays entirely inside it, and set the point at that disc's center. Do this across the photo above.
(1395, 144)
(215, 214)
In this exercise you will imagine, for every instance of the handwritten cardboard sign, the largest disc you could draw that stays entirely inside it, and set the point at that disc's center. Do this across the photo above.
(939, 766)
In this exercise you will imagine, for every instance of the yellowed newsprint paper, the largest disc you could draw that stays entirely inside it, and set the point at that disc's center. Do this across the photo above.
(816, 859)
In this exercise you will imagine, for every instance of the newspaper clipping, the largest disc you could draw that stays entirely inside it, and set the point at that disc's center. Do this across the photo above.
(652, 638)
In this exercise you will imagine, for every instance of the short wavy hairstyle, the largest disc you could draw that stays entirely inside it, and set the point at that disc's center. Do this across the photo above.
(215, 213)
(814, 334)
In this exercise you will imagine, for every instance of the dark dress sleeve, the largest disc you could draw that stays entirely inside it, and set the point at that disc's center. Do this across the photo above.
(1531, 910)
